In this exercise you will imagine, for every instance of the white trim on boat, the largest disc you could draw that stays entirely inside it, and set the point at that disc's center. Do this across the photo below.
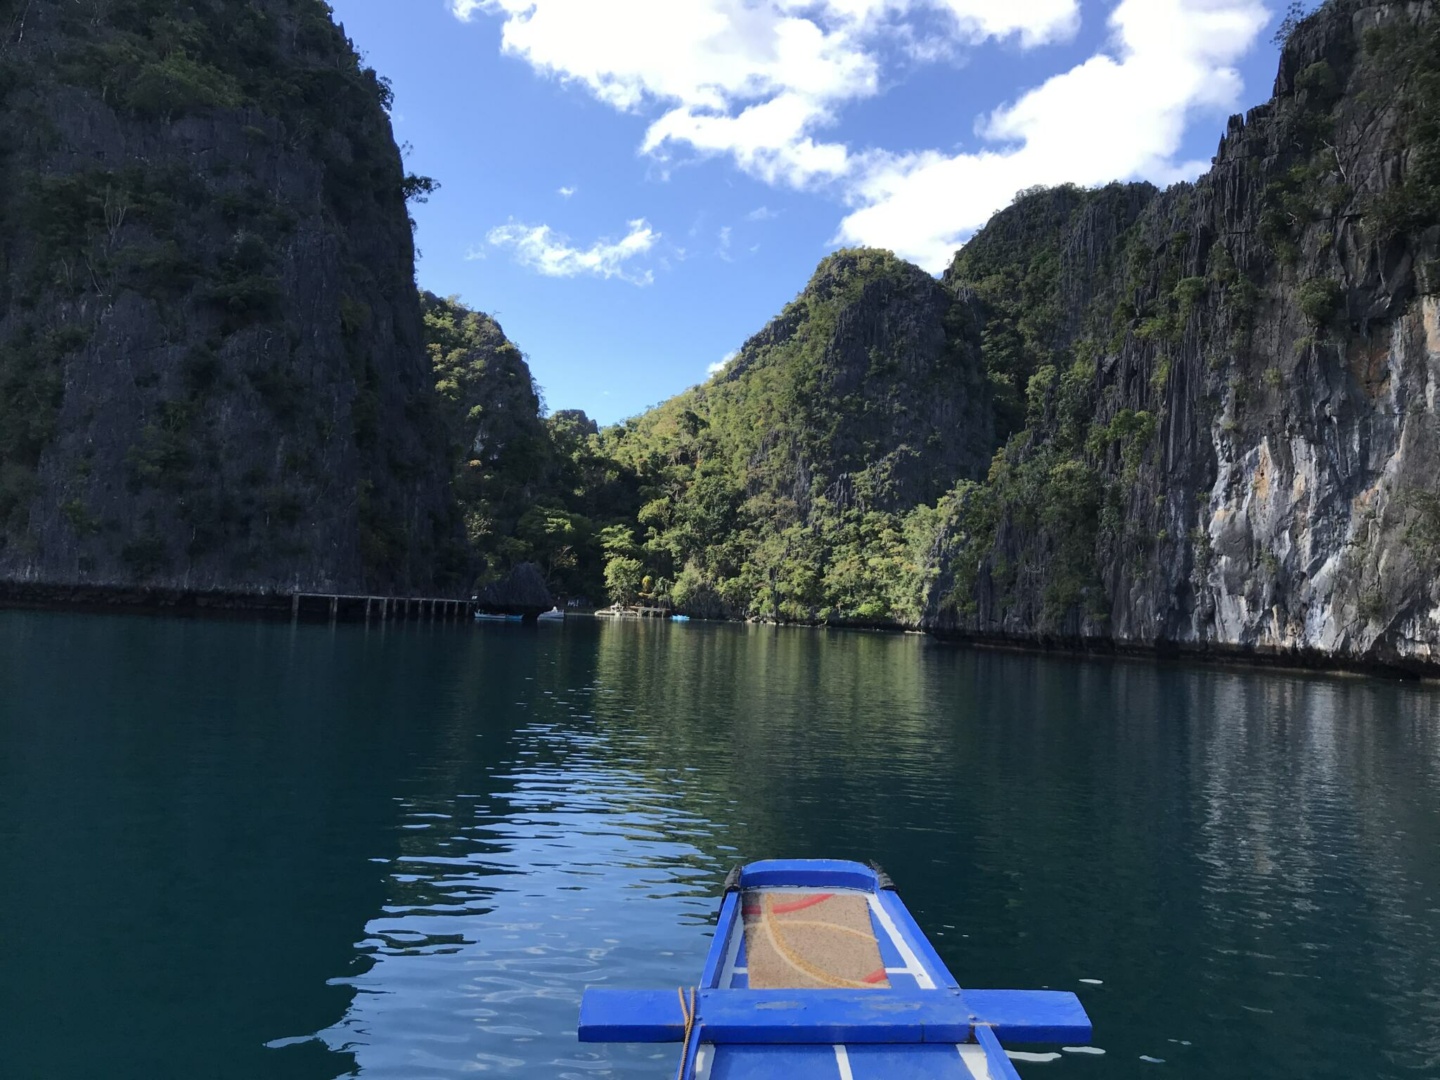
(973, 1055)
(842, 1062)
(912, 962)
(732, 950)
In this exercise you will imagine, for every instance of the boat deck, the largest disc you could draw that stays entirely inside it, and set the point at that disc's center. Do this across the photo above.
(812, 939)
(961, 1061)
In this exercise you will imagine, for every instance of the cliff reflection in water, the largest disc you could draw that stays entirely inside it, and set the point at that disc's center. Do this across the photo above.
(239, 850)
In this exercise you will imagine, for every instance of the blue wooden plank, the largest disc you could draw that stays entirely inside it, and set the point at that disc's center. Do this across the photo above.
(898, 1015)
(1001, 1067)
(889, 952)
(916, 939)
(833, 1016)
(809, 874)
(640, 1016)
(929, 1061)
(1053, 1016)
(728, 923)
(774, 1063)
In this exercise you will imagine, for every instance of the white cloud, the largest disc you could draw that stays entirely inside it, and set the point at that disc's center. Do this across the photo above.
(566, 192)
(723, 236)
(542, 249)
(1112, 117)
(721, 364)
(766, 82)
(762, 213)
(754, 79)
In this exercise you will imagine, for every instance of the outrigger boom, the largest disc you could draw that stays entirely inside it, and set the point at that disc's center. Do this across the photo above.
(818, 970)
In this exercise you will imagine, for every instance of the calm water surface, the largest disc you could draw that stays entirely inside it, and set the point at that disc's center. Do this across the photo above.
(258, 850)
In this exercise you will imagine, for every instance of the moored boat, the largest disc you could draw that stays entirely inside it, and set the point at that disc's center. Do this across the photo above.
(553, 615)
(817, 969)
(485, 616)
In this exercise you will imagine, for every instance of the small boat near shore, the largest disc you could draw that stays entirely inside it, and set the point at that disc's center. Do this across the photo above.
(818, 970)
(554, 615)
(485, 616)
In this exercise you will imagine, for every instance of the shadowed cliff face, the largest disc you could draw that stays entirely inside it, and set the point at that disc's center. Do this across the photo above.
(211, 366)
(1229, 387)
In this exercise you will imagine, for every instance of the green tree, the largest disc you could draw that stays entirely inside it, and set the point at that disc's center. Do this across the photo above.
(623, 578)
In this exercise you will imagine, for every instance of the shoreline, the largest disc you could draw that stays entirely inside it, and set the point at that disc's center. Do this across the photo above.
(274, 605)
(268, 605)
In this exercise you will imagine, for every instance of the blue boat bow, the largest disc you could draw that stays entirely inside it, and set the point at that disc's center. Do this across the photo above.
(906, 1018)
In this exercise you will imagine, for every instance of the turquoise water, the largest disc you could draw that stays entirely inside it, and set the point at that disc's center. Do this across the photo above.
(263, 850)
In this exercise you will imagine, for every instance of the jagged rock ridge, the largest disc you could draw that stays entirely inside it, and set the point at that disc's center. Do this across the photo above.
(1230, 393)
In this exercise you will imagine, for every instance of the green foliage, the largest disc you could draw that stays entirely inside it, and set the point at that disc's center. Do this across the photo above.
(1188, 294)
(530, 488)
(1295, 13)
(32, 386)
(784, 489)
(1160, 377)
(1422, 532)
(1319, 82)
(176, 84)
(77, 515)
(163, 458)
(1013, 267)
(283, 392)
(623, 579)
(418, 189)
(145, 556)
(1321, 299)
(1413, 204)
(245, 289)
(1132, 432)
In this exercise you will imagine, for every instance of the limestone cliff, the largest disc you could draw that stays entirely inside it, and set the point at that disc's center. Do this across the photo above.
(1230, 436)
(212, 372)
(501, 449)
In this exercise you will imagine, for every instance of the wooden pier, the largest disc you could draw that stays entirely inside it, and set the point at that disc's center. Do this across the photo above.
(633, 611)
(383, 608)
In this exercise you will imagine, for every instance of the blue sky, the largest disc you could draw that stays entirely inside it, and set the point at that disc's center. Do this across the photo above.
(633, 187)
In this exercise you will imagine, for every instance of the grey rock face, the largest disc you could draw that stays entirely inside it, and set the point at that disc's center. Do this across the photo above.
(206, 292)
(521, 592)
(1282, 343)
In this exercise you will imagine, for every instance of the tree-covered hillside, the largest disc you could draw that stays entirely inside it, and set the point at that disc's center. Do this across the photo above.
(782, 484)
(531, 487)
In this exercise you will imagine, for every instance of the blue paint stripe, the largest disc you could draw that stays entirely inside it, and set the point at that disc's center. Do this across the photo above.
(1031, 1015)
(889, 954)
(792, 1017)
(725, 925)
(809, 874)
